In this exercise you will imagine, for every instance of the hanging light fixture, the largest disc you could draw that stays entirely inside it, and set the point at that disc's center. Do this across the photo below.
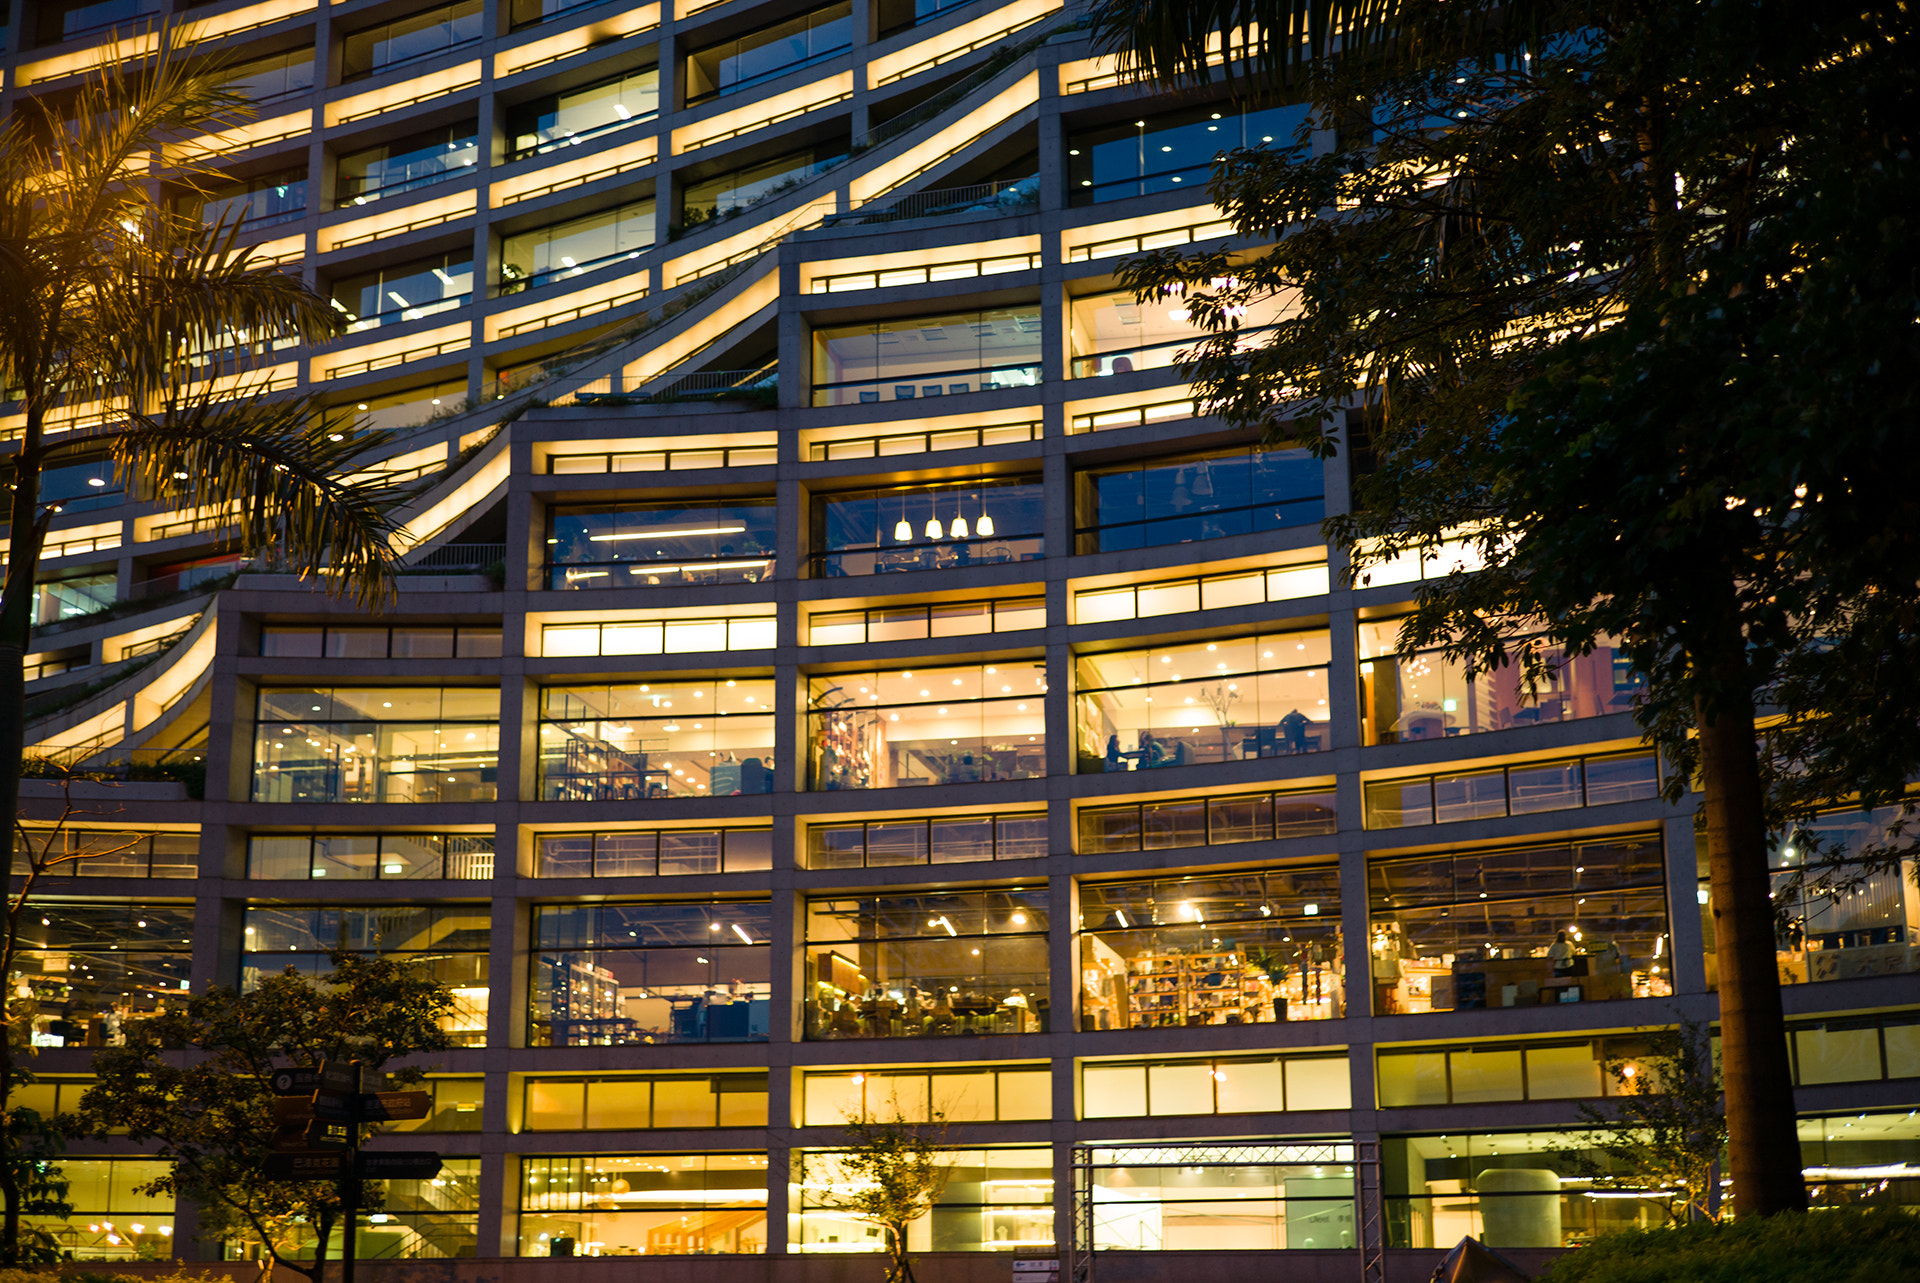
(959, 526)
(933, 526)
(985, 527)
(903, 530)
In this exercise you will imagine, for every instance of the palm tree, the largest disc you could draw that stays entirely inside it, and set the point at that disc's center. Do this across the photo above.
(1346, 56)
(131, 330)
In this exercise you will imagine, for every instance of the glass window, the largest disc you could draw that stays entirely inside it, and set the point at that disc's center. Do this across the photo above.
(1220, 1085)
(1213, 821)
(1224, 701)
(1528, 1189)
(628, 974)
(1197, 496)
(946, 839)
(1520, 926)
(648, 1205)
(90, 968)
(650, 1101)
(926, 356)
(351, 857)
(1223, 949)
(897, 15)
(1118, 334)
(111, 1219)
(456, 1106)
(942, 619)
(927, 726)
(448, 942)
(646, 852)
(877, 532)
(915, 965)
(1171, 151)
(572, 116)
(376, 744)
(1426, 696)
(996, 1200)
(706, 200)
(636, 545)
(1514, 790)
(529, 260)
(769, 52)
(1867, 931)
(975, 1095)
(265, 79)
(656, 739)
(261, 201)
(407, 642)
(1223, 1197)
(417, 160)
(109, 853)
(418, 35)
(1847, 1158)
(404, 292)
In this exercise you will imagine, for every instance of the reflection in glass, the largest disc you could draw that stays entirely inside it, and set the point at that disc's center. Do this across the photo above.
(649, 1205)
(1223, 1197)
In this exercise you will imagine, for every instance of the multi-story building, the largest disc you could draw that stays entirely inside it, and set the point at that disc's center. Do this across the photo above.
(835, 667)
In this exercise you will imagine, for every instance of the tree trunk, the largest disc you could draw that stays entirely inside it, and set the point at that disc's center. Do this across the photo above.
(1763, 1145)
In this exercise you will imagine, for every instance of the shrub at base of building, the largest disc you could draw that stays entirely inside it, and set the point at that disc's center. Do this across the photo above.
(1843, 1245)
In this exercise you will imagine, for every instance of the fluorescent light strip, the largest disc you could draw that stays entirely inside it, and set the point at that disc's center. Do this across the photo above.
(666, 534)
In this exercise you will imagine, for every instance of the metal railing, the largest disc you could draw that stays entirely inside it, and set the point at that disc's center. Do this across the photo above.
(460, 556)
(997, 197)
(703, 385)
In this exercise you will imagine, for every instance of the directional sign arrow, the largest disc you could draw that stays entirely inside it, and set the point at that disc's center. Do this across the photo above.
(324, 1135)
(394, 1106)
(399, 1164)
(335, 1109)
(292, 1109)
(324, 1165)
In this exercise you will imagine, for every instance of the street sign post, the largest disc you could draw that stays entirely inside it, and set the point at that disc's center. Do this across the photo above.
(318, 1117)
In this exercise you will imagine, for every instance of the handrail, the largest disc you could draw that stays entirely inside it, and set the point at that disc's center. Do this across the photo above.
(961, 52)
(945, 201)
(399, 358)
(573, 313)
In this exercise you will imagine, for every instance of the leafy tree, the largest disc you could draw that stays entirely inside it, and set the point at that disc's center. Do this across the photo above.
(1613, 303)
(1667, 1126)
(132, 331)
(197, 1081)
(891, 1173)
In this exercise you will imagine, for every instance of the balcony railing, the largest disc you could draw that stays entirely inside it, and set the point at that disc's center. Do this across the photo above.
(1002, 196)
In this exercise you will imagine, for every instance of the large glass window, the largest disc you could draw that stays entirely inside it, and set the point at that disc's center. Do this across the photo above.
(1856, 1049)
(1211, 1198)
(897, 15)
(1224, 949)
(408, 641)
(1424, 695)
(672, 636)
(377, 744)
(723, 195)
(417, 160)
(1198, 496)
(1867, 931)
(1508, 1189)
(648, 852)
(572, 116)
(111, 1220)
(944, 839)
(112, 853)
(404, 291)
(633, 545)
(64, 19)
(1117, 334)
(90, 968)
(876, 532)
(1528, 789)
(1857, 1158)
(1485, 1072)
(656, 739)
(996, 1200)
(645, 1205)
(71, 596)
(644, 1101)
(926, 356)
(1519, 926)
(364, 857)
(933, 619)
(448, 942)
(418, 35)
(1206, 821)
(910, 966)
(1214, 1085)
(262, 201)
(927, 726)
(626, 974)
(1224, 701)
(529, 260)
(771, 51)
(266, 79)
(1171, 151)
(981, 1094)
